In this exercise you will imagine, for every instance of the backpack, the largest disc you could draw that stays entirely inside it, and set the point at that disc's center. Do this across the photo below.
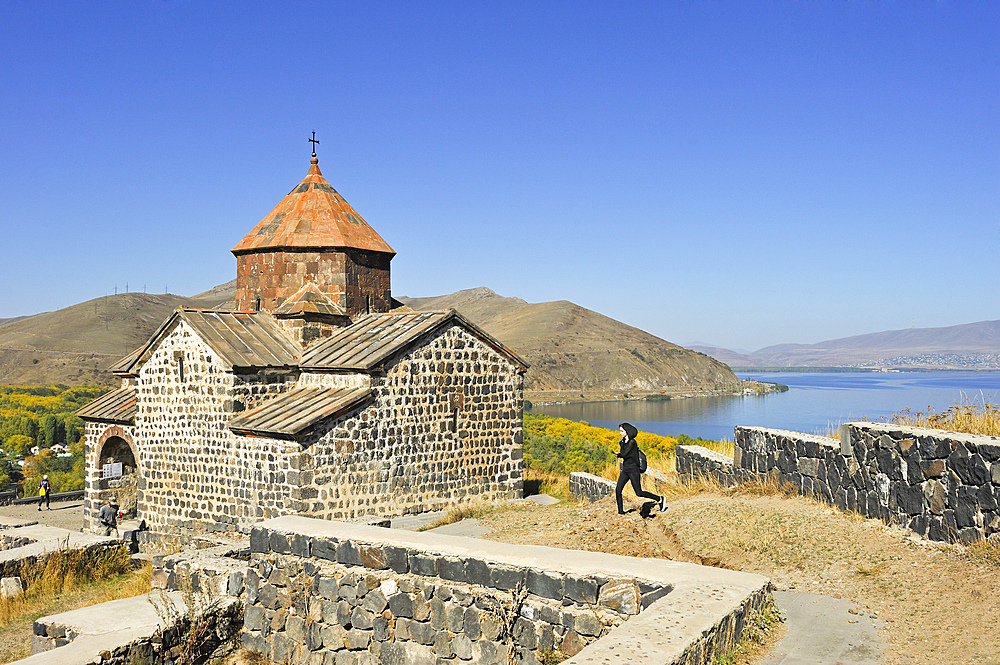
(642, 460)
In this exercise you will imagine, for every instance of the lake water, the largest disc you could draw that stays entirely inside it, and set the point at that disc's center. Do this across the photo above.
(815, 403)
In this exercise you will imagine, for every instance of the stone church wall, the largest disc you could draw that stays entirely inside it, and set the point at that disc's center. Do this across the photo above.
(443, 428)
(349, 277)
(195, 474)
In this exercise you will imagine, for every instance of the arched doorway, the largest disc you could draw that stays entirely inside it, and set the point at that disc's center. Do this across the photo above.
(118, 483)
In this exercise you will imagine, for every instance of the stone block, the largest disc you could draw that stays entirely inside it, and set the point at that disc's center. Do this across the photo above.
(372, 557)
(580, 589)
(485, 652)
(451, 569)
(401, 605)
(334, 636)
(506, 578)
(471, 623)
(455, 617)
(524, 633)
(362, 618)
(589, 625)
(421, 564)
(442, 645)
(462, 646)
(407, 653)
(278, 542)
(344, 613)
(422, 632)
(935, 496)
(621, 596)
(572, 643)
(544, 585)
(314, 635)
(397, 559)
(253, 617)
(808, 466)
(358, 639)
(348, 554)
(258, 540)
(477, 572)
(910, 499)
(323, 548)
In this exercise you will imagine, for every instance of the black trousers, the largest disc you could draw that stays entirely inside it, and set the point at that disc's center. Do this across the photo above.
(43, 499)
(633, 477)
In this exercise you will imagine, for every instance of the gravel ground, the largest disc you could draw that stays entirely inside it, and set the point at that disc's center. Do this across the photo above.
(64, 514)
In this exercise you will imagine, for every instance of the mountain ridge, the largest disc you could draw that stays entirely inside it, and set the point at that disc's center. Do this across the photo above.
(963, 346)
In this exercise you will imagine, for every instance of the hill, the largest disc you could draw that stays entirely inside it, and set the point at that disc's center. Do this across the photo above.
(573, 348)
(568, 346)
(76, 344)
(966, 346)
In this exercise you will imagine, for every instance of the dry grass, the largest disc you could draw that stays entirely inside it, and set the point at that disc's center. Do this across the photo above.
(67, 580)
(973, 417)
(553, 484)
(64, 572)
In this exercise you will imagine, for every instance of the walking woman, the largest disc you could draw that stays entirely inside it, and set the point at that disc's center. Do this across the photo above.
(629, 455)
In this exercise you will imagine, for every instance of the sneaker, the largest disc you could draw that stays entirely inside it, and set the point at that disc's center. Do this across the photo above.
(663, 503)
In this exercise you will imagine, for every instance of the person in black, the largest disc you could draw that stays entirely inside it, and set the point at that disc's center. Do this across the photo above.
(629, 455)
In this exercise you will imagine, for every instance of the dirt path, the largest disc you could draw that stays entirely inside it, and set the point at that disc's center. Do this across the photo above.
(940, 606)
(64, 514)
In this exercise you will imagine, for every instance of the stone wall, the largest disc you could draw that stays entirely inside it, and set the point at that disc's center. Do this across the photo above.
(328, 592)
(195, 474)
(590, 487)
(356, 280)
(942, 485)
(442, 427)
(415, 447)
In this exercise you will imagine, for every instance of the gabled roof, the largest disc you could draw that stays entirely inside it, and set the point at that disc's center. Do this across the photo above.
(309, 300)
(293, 414)
(375, 338)
(241, 339)
(117, 406)
(314, 216)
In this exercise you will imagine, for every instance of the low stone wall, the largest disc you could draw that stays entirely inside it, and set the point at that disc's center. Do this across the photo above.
(692, 461)
(590, 487)
(213, 572)
(11, 541)
(320, 591)
(144, 630)
(942, 485)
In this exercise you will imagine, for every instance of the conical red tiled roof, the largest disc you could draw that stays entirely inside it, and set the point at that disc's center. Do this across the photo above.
(313, 215)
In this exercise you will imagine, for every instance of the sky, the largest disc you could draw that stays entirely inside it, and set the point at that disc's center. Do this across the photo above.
(737, 174)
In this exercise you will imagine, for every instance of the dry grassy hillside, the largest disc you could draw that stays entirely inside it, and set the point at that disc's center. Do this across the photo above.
(76, 344)
(572, 348)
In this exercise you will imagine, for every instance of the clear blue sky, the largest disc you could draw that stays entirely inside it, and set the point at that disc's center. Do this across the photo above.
(742, 174)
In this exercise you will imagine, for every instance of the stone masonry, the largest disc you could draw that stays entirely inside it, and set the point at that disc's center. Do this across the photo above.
(332, 593)
(942, 485)
(409, 449)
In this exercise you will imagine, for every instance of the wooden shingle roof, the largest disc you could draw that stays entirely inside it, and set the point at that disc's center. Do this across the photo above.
(375, 338)
(241, 339)
(117, 406)
(293, 414)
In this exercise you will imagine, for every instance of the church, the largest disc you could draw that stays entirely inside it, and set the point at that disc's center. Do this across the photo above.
(315, 393)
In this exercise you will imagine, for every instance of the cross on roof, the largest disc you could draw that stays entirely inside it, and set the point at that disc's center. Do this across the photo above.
(314, 142)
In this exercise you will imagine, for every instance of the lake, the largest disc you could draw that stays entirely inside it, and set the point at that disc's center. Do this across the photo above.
(816, 403)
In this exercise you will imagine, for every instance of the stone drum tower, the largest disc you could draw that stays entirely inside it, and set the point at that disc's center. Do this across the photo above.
(313, 259)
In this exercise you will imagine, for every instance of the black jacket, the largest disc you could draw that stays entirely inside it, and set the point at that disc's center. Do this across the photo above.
(629, 455)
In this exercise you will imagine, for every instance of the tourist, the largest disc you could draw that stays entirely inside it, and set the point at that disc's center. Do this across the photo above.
(109, 519)
(630, 471)
(44, 490)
